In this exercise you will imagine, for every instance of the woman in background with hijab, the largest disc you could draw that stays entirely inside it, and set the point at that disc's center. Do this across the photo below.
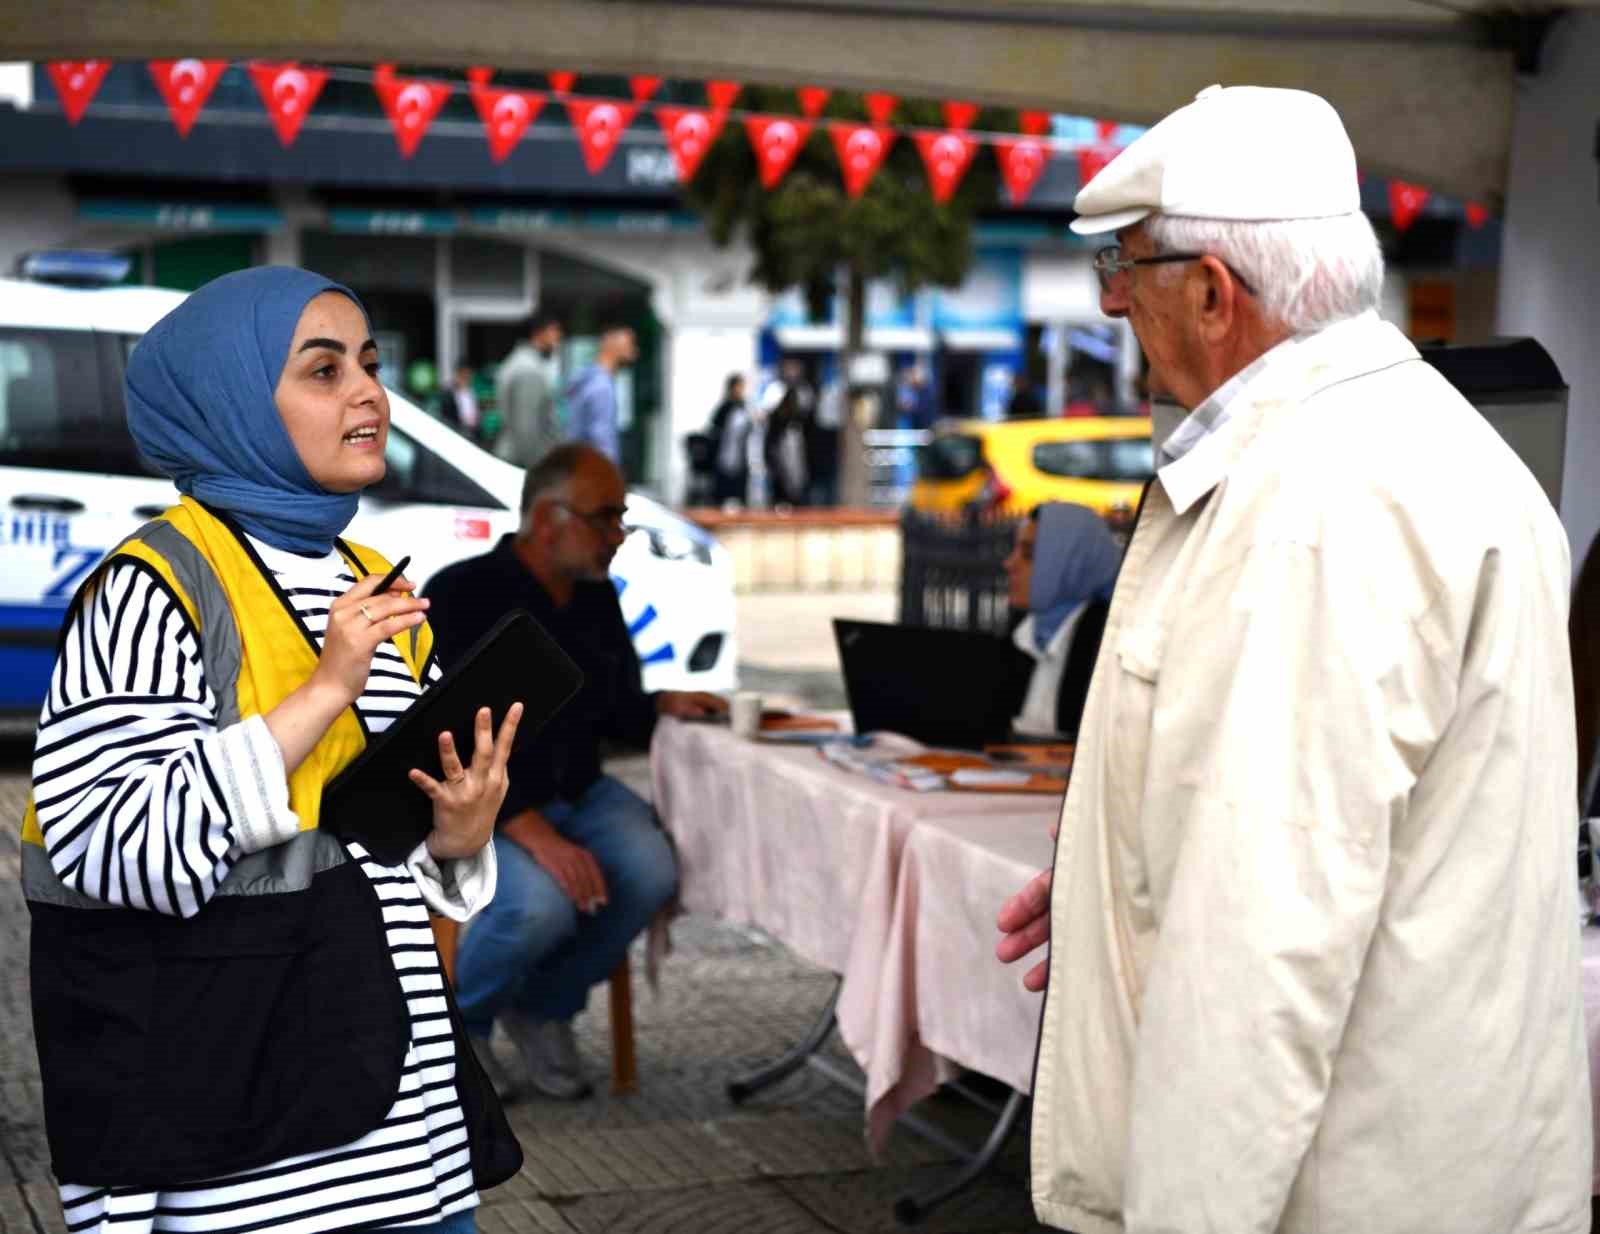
(241, 1020)
(1062, 571)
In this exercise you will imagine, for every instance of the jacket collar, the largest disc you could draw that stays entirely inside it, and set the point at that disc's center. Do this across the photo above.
(1304, 368)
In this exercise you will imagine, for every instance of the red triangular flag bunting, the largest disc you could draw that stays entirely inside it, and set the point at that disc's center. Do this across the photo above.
(777, 141)
(1477, 215)
(1105, 130)
(1022, 162)
(411, 105)
(947, 157)
(643, 87)
(880, 107)
(600, 123)
(76, 82)
(1405, 203)
(1035, 123)
(959, 115)
(722, 93)
(506, 115)
(562, 83)
(690, 133)
(813, 99)
(289, 92)
(479, 74)
(861, 150)
(186, 85)
(1092, 161)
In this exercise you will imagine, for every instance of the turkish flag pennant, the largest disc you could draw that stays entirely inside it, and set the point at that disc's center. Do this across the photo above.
(562, 83)
(813, 99)
(722, 94)
(643, 87)
(1405, 203)
(1092, 161)
(861, 148)
(506, 115)
(1035, 123)
(479, 74)
(1022, 162)
(690, 133)
(410, 105)
(880, 107)
(777, 141)
(1477, 215)
(289, 92)
(959, 115)
(947, 157)
(186, 85)
(76, 82)
(600, 123)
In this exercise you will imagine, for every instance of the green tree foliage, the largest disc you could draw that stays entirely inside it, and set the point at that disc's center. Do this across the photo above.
(807, 230)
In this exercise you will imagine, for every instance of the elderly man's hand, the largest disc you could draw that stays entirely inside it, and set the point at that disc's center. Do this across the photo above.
(690, 704)
(1025, 921)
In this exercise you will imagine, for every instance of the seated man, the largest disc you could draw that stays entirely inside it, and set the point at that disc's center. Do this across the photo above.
(583, 865)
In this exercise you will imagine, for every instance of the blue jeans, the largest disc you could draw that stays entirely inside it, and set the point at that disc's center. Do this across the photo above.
(531, 949)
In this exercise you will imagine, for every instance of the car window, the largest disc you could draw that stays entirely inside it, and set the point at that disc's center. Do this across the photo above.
(1118, 458)
(416, 474)
(50, 414)
(950, 456)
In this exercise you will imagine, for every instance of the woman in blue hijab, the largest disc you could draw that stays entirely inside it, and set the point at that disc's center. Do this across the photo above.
(242, 1020)
(1061, 571)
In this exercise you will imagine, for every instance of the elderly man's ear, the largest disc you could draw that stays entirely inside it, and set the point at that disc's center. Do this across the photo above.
(1215, 299)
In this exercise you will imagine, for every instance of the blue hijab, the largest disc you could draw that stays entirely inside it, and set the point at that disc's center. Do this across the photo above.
(200, 406)
(1075, 559)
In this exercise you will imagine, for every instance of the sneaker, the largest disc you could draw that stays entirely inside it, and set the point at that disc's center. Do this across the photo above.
(499, 1078)
(549, 1052)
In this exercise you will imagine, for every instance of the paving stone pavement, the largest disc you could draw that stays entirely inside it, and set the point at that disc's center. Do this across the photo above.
(676, 1158)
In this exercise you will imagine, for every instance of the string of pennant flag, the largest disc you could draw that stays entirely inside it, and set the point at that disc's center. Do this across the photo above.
(289, 91)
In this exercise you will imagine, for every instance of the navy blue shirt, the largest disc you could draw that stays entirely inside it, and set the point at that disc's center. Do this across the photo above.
(562, 761)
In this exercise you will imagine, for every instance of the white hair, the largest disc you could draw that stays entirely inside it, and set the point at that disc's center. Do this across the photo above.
(1306, 273)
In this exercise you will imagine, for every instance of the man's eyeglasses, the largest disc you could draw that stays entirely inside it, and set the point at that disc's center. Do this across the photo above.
(604, 520)
(1109, 262)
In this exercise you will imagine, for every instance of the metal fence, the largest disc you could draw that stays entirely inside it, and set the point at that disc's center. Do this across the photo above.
(952, 572)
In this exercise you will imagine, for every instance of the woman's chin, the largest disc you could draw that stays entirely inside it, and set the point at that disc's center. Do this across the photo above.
(352, 479)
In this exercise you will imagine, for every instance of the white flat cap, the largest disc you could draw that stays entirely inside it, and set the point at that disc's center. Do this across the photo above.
(1245, 152)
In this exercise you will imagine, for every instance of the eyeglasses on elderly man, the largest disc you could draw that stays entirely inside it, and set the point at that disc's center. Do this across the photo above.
(1109, 262)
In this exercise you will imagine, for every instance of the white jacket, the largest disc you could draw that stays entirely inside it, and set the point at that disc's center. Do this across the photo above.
(1315, 918)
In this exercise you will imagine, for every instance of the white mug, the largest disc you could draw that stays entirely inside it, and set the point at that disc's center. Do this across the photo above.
(746, 713)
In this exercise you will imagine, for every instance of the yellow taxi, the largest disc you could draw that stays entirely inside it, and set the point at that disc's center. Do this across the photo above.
(1010, 466)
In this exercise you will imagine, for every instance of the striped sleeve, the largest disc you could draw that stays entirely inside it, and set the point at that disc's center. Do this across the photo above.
(143, 802)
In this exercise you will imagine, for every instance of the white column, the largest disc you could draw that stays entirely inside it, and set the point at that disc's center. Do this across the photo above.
(1550, 262)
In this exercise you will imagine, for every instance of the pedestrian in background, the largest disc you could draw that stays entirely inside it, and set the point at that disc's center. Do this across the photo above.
(458, 403)
(729, 431)
(525, 394)
(592, 415)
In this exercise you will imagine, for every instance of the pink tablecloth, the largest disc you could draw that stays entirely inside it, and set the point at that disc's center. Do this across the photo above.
(772, 836)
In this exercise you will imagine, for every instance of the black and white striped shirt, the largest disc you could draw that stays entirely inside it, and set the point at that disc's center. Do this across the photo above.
(146, 804)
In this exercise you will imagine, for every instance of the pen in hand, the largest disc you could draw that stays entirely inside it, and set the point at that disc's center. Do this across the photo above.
(388, 579)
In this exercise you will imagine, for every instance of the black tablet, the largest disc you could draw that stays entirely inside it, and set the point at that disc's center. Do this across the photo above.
(374, 802)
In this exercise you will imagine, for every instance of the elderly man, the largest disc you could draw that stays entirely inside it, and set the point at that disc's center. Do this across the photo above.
(583, 866)
(1315, 957)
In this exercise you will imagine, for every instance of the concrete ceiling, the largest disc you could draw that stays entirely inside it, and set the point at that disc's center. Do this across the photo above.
(1424, 90)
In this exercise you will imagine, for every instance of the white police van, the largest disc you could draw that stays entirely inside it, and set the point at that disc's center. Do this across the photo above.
(72, 486)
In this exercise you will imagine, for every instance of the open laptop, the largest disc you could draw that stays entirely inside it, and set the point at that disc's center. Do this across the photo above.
(955, 688)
